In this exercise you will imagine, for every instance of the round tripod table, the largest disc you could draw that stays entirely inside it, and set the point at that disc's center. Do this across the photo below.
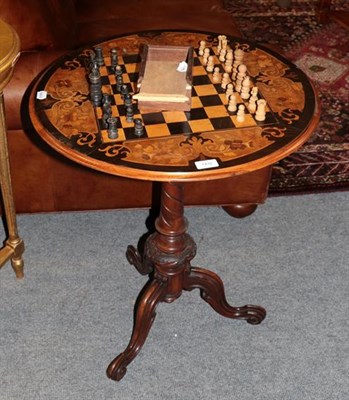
(205, 143)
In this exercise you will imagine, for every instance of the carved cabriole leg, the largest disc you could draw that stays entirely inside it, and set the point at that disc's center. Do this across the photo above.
(212, 291)
(145, 314)
(167, 256)
(14, 246)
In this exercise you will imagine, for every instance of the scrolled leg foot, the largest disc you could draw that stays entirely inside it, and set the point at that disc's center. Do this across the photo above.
(212, 291)
(149, 298)
(142, 265)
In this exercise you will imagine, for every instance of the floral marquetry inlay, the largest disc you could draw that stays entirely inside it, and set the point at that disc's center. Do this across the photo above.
(174, 140)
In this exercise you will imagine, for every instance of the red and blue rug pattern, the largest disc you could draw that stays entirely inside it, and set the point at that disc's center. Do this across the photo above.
(322, 52)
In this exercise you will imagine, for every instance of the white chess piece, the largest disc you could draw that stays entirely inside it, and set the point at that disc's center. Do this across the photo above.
(238, 58)
(210, 64)
(222, 54)
(202, 47)
(252, 105)
(216, 77)
(206, 55)
(225, 80)
(228, 66)
(260, 112)
(242, 69)
(232, 103)
(229, 91)
(240, 116)
(245, 88)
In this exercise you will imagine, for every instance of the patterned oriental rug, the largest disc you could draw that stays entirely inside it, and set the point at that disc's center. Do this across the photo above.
(322, 52)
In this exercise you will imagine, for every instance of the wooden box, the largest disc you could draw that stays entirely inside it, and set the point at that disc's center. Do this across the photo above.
(161, 86)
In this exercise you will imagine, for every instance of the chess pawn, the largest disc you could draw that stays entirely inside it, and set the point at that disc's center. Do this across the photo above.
(216, 77)
(232, 103)
(206, 55)
(245, 88)
(225, 80)
(202, 47)
(240, 116)
(260, 112)
(222, 54)
(210, 64)
(240, 77)
(112, 128)
(229, 91)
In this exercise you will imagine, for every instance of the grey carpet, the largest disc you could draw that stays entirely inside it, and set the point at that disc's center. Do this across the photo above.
(63, 324)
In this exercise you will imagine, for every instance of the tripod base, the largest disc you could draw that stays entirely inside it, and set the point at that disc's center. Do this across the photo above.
(166, 258)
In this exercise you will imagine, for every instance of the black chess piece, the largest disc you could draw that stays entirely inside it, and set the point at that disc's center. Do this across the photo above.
(118, 71)
(119, 83)
(107, 113)
(127, 99)
(129, 113)
(112, 128)
(106, 100)
(124, 90)
(99, 56)
(95, 88)
(139, 130)
(113, 58)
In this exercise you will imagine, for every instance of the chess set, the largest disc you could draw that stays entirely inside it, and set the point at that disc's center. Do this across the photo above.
(223, 95)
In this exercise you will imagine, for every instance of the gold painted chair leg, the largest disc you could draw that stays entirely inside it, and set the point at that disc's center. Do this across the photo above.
(17, 259)
(14, 246)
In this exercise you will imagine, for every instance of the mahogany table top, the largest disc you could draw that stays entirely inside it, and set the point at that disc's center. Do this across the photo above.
(206, 143)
